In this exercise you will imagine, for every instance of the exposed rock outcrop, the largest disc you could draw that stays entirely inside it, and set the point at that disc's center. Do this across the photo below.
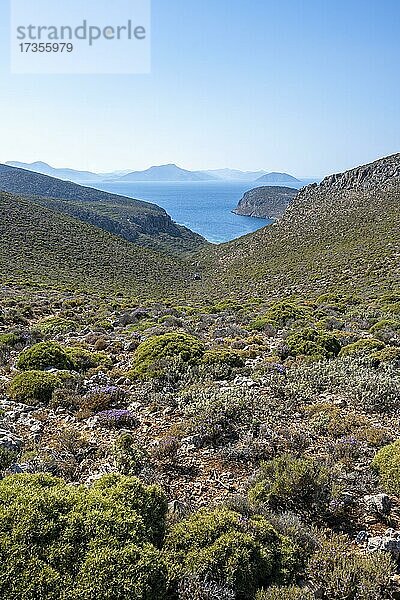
(266, 202)
(378, 173)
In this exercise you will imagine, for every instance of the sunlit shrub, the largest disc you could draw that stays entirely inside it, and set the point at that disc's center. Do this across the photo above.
(341, 572)
(223, 545)
(59, 541)
(387, 330)
(389, 354)
(312, 342)
(83, 360)
(280, 314)
(362, 348)
(151, 352)
(285, 593)
(54, 325)
(44, 355)
(387, 463)
(216, 416)
(129, 457)
(32, 387)
(303, 485)
(130, 572)
(223, 357)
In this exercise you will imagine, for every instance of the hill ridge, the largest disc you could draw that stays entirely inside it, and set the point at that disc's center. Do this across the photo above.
(135, 220)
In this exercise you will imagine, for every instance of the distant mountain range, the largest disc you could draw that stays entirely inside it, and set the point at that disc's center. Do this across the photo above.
(65, 174)
(170, 173)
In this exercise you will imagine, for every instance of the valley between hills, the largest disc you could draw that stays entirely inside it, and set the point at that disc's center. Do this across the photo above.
(182, 420)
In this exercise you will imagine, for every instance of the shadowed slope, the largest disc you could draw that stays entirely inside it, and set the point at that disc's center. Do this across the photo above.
(40, 246)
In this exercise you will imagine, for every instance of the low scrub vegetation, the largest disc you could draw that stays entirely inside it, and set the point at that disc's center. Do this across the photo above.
(266, 424)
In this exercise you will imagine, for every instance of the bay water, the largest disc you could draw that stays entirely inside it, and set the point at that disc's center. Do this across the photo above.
(202, 206)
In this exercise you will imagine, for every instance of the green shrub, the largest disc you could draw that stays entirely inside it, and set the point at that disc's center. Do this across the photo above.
(43, 356)
(148, 357)
(387, 330)
(83, 360)
(129, 458)
(32, 387)
(60, 541)
(285, 593)
(128, 573)
(10, 340)
(343, 573)
(279, 315)
(302, 485)
(223, 357)
(217, 416)
(389, 354)
(7, 457)
(222, 545)
(387, 463)
(385, 324)
(362, 348)
(51, 326)
(219, 364)
(311, 342)
(337, 302)
(225, 305)
(259, 324)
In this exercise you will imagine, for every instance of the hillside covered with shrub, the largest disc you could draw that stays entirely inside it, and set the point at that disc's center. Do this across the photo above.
(332, 236)
(220, 428)
(38, 246)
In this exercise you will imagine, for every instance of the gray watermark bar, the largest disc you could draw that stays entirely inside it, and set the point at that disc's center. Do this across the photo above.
(81, 36)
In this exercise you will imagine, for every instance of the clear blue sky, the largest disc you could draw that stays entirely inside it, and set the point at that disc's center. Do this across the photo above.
(309, 87)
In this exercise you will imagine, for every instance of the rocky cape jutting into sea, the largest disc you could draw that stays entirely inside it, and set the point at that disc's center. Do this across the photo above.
(266, 202)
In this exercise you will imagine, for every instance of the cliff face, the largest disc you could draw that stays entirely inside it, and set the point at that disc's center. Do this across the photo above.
(267, 202)
(344, 193)
(378, 173)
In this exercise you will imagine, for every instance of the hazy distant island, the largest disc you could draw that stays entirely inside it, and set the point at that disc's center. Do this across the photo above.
(266, 202)
(277, 178)
(167, 173)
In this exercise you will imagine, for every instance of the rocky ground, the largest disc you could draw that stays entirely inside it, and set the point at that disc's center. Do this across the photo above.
(201, 430)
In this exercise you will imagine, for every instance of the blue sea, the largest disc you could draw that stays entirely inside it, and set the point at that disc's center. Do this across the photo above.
(204, 207)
